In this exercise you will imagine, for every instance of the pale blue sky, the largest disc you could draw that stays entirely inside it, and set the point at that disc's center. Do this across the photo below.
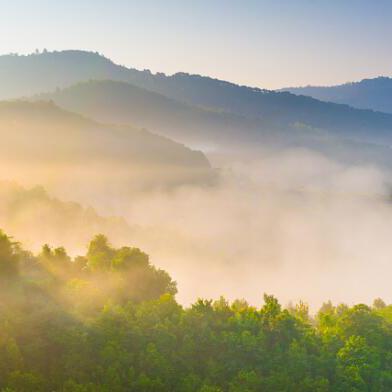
(265, 43)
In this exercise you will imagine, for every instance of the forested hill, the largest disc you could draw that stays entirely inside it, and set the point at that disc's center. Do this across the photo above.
(121, 102)
(41, 130)
(33, 216)
(33, 74)
(108, 321)
(74, 156)
(375, 94)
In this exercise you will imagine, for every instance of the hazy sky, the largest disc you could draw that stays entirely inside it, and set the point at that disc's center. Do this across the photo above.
(265, 43)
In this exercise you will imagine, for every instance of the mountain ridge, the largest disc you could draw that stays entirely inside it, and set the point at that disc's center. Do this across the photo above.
(18, 112)
(70, 154)
(370, 93)
(269, 110)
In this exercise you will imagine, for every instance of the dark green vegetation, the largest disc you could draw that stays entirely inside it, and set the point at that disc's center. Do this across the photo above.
(108, 321)
(375, 94)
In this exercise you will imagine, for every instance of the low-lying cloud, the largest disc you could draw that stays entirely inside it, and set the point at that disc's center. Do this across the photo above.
(293, 223)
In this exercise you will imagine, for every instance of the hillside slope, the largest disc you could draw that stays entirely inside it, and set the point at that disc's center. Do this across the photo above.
(36, 218)
(375, 94)
(42, 143)
(121, 102)
(28, 75)
(43, 130)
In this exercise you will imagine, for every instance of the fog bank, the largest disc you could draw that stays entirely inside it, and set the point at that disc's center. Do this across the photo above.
(293, 223)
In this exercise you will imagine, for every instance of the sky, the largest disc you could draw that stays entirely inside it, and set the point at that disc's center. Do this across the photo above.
(263, 43)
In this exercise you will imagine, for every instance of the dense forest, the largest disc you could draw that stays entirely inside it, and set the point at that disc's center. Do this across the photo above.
(109, 321)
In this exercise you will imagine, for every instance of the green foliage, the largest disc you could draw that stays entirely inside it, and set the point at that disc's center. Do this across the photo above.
(8, 256)
(100, 253)
(108, 321)
(25, 382)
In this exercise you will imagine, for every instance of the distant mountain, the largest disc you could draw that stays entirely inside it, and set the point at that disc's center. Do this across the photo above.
(124, 103)
(244, 111)
(262, 109)
(43, 130)
(375, 94)
(57, 144)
